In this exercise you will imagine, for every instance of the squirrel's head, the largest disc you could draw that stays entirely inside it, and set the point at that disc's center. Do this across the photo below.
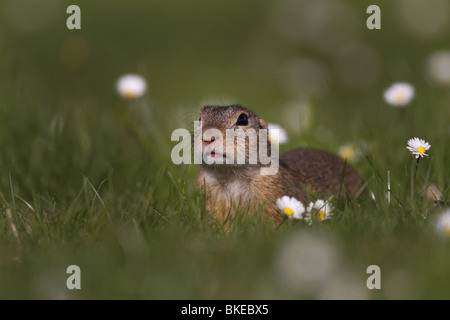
(231, 134)
(230, 117)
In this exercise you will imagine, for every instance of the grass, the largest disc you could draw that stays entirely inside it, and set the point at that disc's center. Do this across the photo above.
(86, 177)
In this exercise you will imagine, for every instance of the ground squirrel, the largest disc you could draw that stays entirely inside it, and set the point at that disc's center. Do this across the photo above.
(233, 187)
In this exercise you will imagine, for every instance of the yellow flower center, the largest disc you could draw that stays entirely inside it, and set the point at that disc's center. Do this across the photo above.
(321, 214)
(400, 97)
(129, 94)
(421, 149)
(288, 211)
(447, 230)
(347, 152)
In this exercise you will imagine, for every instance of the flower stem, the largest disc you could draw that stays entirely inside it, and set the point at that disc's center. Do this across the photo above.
(417, 167)
(413, 177)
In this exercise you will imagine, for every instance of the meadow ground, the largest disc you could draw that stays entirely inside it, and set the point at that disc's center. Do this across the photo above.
(86, 176)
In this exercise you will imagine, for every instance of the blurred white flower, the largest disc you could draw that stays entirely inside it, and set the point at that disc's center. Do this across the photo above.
(304, 77)
(350, 151)
(277, 133)
(347, 151)
(418, 147)
(317, 24)
(432, 14)
(320, 209)
(131, 86)
(399, 94)
(291, 207)
(307, 261)
(443, 223)
(297, 115)
(438, 67)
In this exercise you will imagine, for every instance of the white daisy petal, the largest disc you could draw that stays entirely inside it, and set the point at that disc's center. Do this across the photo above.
(399, 94)
(418, 147)
(438, 66)
(442, 224)
(321, 209)
(277, 133)
(131, 86)
(291, 207)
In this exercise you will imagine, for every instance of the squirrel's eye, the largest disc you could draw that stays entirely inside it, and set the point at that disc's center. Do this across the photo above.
(242, 120)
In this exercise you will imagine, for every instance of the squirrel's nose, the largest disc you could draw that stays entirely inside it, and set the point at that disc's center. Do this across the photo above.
(208, 142)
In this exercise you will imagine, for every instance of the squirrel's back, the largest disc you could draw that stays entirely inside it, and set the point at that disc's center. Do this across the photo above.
(321, 173)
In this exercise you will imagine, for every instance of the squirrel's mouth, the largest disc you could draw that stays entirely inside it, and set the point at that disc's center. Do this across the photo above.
(214, 154)
(215, 157)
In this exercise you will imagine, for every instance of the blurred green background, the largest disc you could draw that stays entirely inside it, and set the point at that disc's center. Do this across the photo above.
(88, 178)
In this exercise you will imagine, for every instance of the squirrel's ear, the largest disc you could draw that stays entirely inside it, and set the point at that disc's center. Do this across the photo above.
(262, 124)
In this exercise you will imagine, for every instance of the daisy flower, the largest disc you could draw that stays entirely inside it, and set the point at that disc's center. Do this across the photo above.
(418, 147)
(277, 133)
(291, 207)
(443, 223)
(350, 151)
(131, 86)
(322, 209)
(347, 151)
(399, 94)
(439, 67)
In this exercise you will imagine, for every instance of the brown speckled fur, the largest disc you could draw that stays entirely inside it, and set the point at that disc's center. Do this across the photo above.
(233, 187)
